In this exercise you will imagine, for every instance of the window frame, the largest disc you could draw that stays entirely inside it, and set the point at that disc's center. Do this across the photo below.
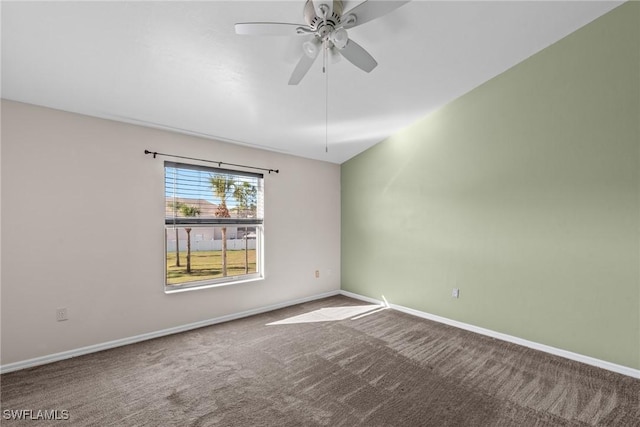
(210, 222)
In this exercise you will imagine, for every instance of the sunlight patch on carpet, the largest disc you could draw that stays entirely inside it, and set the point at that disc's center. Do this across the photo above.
(330, 314)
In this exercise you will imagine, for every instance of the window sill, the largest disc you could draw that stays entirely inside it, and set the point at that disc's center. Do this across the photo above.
(212, 285)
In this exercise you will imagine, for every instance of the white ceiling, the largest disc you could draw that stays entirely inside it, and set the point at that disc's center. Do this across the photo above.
(180, 65)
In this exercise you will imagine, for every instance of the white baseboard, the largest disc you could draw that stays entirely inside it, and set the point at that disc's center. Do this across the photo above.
(635, 373)
(10, 367)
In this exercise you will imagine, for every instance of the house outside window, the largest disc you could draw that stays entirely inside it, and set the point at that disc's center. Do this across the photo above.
(213, 226)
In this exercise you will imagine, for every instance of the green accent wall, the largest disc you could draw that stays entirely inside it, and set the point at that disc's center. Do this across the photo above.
(523, 193)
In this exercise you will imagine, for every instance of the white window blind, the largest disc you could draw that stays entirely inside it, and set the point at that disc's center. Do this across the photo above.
(200, 195)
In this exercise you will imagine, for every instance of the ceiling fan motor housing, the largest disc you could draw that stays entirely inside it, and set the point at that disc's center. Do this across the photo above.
(317, 23)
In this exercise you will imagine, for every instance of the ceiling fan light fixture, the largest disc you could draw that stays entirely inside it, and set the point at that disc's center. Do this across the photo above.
(310, 49)
(339, 38)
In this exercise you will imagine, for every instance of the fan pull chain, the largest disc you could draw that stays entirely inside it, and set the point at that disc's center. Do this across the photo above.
(325, 70)
(326, 101)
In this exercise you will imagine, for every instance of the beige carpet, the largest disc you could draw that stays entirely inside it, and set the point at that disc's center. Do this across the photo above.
(333, 362)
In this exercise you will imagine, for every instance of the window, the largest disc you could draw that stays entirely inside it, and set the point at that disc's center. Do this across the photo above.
(213, 226)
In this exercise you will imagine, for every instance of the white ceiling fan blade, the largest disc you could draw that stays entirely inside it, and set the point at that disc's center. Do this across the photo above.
(271, 29)
(369, 10)
(358, 56)
(306, 61)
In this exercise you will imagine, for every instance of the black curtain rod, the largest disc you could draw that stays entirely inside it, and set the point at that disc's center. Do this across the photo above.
(155, 153)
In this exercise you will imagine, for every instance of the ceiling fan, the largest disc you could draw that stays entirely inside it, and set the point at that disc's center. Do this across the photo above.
(328, 25)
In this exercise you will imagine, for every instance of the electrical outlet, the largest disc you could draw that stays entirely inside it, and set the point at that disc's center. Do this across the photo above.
(317, 274)
(61, 314)
(455, 293)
